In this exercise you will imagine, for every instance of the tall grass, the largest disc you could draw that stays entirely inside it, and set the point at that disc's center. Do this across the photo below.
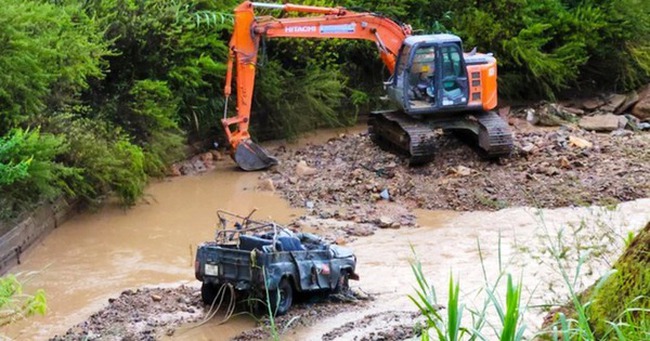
(450, 327)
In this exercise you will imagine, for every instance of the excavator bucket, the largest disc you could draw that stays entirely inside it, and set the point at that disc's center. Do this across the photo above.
(251, 157)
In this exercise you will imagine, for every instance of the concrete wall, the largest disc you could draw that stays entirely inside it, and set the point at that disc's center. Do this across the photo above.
(31, 228)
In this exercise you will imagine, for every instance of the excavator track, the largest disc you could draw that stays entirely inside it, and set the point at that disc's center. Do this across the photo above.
(391, 129)
(486, 131)
(494, 135)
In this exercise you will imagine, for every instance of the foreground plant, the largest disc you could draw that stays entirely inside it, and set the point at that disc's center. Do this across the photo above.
(450, 327)
(15, 305)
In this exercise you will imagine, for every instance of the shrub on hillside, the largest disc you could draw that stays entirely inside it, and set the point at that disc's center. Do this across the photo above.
(48, 53)
(29, 170)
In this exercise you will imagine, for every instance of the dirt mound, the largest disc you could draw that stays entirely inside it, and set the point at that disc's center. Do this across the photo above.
(550, 168)
(148, 313)
(140, 314)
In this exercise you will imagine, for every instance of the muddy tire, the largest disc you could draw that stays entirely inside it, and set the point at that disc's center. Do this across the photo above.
(281, 298)
(209, 293)
(343, 284)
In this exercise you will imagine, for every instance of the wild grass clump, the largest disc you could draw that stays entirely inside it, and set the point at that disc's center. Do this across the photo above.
(450, 327)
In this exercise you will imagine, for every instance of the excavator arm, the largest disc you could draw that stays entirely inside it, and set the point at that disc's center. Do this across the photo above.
(327, 23)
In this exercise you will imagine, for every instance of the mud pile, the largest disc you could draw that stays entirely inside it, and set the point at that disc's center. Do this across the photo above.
(150, 313)
(551, 167)
(140, 314)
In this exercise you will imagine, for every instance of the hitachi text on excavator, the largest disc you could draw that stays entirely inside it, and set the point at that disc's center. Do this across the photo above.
(433, 83)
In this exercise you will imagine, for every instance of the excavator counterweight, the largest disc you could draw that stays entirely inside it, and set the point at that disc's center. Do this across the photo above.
(434, 83)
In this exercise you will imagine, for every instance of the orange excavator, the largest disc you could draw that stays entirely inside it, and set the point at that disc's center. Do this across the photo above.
(433, 83)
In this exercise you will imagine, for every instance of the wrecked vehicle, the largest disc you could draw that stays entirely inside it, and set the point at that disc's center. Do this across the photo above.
(253, 258)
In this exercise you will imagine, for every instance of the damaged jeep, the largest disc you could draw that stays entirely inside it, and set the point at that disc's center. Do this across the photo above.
(269, 262)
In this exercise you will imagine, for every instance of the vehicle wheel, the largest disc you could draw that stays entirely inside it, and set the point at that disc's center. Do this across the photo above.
(209, 293)
(344, 282)
(281, 298)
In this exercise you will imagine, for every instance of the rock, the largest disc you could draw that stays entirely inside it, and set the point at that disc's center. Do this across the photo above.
(385, 222)
(175, 170)
(621, 133)
(206, 157)
(573, 111)
(216, 155)
(564, 163)
(360, 230)
(548, 115)
(340, 241)
(632, 122)
(303, 170)
(622, 122)
(592, 103)
(608, 122)
(461, 171)
(531, 117)
(504, 112)
(631, 99)
(580, 142)
(156, 298)
(614, 102)
(562, 112)
(527, 148)
(266, 185)
(641, 109)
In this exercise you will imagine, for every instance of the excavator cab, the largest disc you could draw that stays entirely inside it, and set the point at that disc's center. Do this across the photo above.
(430, 76)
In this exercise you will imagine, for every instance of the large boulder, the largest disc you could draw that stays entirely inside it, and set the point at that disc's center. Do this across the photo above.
(606, 122)
(642, 108)
(614, 101)
(631, 99)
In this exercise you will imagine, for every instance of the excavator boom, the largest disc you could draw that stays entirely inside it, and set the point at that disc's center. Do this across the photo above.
(244, 45)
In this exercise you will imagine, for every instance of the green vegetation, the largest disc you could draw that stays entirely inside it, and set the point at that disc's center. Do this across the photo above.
(451, 327)
(112, 90)
(14, 304)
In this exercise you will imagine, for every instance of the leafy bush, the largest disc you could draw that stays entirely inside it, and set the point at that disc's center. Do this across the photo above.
(48, 54)
(152, 121)
(312, 100)
(29, 171)
(14, 304)
(180, 44)
(108, 160)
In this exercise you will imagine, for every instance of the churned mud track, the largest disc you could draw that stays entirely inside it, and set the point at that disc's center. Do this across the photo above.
(549, 168)
(153, 313)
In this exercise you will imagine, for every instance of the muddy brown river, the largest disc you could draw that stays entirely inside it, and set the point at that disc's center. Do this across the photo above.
(97, 255)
